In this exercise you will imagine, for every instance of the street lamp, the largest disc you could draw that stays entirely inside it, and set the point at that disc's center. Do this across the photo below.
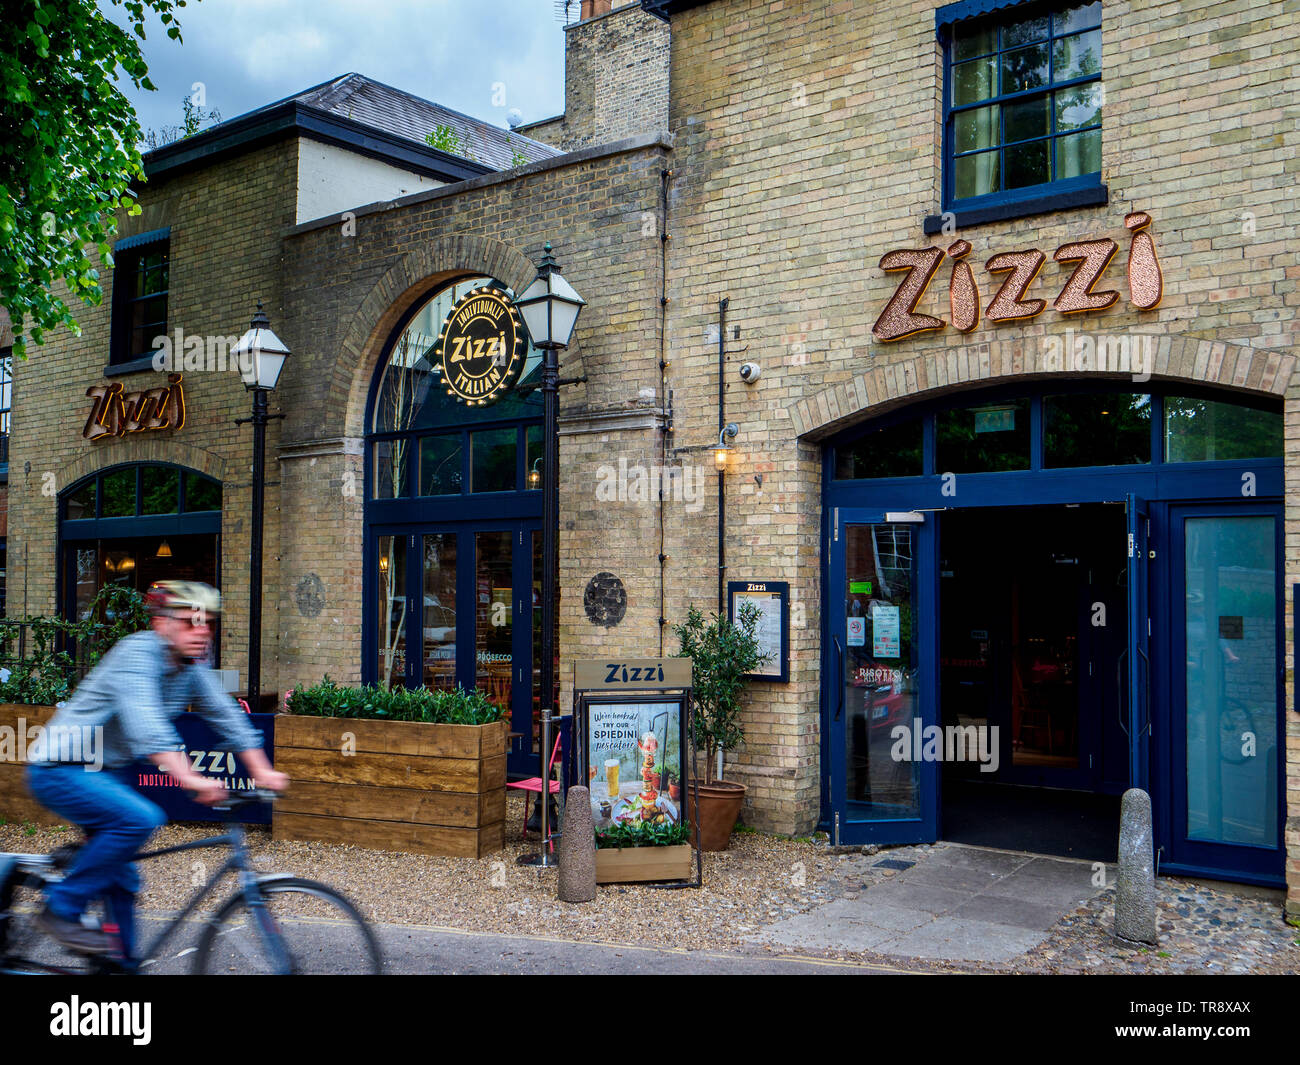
(550, 309)
(261, 356)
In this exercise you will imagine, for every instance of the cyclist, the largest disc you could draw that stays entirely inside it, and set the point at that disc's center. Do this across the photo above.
(130, 701)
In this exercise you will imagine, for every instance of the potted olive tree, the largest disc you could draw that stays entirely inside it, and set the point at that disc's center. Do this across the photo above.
(723, 653)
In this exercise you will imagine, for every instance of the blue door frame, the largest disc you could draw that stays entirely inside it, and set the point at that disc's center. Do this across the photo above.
(1157, 497)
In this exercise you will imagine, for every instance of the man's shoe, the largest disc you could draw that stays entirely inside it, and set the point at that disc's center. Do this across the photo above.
(73, 934)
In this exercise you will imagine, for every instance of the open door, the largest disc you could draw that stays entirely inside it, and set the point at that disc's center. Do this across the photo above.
(880, 655)
(1135, 663)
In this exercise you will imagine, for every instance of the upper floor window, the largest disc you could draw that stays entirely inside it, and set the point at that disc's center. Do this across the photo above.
(141, 269)
(1024, 104)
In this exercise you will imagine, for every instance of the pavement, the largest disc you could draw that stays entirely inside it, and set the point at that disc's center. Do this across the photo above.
(958, 904)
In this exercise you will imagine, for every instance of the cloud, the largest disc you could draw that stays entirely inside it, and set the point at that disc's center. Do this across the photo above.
(248, 53)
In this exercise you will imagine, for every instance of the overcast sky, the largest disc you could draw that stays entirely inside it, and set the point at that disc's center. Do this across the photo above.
(251, 52)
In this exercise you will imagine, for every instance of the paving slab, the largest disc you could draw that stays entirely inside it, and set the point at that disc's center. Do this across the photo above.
(875, 911)
(928, 898)
(1017, 913)
(968, 940)
(999, 862)
(938, 873)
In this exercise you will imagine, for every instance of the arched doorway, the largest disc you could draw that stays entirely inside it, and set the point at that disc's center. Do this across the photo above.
(1052, 594)
(135, 524)
(452, 523)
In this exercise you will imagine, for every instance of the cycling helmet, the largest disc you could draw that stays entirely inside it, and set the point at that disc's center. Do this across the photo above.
(172, 597)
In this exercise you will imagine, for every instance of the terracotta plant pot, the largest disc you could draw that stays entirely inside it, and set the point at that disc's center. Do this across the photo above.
(719, 806)
(674, 792)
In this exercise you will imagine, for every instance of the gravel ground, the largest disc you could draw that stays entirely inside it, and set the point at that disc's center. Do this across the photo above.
(760, 880)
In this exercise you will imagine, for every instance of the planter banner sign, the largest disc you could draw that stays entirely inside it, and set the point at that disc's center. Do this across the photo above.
(634, 762)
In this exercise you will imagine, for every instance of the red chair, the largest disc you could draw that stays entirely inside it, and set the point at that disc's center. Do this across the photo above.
(534, 785)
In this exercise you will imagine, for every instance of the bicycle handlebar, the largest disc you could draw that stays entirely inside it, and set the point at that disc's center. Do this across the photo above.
(252, 798)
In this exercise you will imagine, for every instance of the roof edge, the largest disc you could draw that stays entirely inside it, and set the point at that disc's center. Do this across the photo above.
(556, 162)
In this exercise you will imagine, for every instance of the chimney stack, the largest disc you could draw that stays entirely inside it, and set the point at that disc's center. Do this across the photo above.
(592, 8)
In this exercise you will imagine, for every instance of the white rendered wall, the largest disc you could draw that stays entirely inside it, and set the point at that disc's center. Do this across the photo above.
(334, 179)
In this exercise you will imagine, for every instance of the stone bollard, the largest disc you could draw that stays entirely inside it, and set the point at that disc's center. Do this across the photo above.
(577, 849)
(1135, 889)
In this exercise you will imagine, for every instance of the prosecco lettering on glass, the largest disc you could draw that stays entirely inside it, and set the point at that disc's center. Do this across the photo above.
(117, 413)
(1012, 301)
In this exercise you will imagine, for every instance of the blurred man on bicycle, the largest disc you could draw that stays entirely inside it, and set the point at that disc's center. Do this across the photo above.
(134, 694)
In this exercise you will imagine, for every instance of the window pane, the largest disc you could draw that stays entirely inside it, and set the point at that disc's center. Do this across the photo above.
(894, 451)
(984, 439)
(1026, 119)
(974, 81)
(1199, 430)
(1231, 673)
(976, 129)
(1078, 107)
(119, 494)
(440, 465)
(201, 493)
(160, 493)
(440, 611)
(1034, 29)
(1025, 68)
(390, 468)
(968, 43)
(1077, 17)
(494, 637)
(1077, 56)
(1110, 429)
(533, 467)
(1079, 153)
(492, 461)
(81, 502)
(392, 611)
(976, 175)
(1028, 164)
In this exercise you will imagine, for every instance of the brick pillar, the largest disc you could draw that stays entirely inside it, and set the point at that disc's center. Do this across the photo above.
(592, 8)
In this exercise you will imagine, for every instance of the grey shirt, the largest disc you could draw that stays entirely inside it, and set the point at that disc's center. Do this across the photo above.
(134, 695)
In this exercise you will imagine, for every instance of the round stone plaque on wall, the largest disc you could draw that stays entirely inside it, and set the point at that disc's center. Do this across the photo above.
(605, 600)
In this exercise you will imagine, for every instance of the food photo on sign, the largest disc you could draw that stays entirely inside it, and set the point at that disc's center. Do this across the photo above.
(634, 765)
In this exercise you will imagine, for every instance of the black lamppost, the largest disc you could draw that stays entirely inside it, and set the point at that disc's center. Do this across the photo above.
(261, 357)
(550, 309)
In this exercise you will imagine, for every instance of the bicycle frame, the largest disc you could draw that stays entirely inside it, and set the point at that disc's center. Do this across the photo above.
(250, 882)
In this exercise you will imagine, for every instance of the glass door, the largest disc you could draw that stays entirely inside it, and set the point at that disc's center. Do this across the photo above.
(1225, 717)
(880, 699)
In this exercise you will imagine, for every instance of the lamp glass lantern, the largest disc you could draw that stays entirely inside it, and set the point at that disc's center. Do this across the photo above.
(723, 449)
(550, 306)
(261, 354)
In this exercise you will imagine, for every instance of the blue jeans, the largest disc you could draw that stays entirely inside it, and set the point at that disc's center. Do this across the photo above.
(117, 821)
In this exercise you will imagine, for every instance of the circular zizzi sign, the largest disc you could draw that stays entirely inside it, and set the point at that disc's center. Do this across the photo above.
(481, 347)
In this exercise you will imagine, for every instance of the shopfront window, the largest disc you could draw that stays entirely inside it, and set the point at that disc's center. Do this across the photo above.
(1096, 429)
(1201, 430)
(986, 439)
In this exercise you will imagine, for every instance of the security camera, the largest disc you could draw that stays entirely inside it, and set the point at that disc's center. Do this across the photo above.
(749, 372)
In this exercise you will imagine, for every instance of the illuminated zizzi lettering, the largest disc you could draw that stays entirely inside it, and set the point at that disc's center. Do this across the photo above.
(116, 413)
(1012, 302)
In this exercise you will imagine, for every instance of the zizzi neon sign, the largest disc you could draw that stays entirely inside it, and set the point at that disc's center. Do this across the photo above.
(117, 413)
(1009, 304)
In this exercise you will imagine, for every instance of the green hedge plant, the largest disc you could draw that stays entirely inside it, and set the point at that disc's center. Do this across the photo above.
(456, 707)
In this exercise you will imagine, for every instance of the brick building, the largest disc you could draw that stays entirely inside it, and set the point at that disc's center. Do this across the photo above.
(1015, 280)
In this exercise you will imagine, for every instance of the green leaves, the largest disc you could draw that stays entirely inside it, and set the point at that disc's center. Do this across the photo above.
(642, 834)
(70, 139)
(722, 654)
(457, 707)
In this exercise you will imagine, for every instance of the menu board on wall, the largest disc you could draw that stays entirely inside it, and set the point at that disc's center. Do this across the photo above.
(772, 598)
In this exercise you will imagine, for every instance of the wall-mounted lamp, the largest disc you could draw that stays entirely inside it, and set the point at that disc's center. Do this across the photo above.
(535, 474)
(723, 448)
(383, 564)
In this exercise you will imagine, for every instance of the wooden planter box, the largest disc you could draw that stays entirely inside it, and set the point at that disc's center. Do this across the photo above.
(406, 786)
(625, 865)
(16, 805)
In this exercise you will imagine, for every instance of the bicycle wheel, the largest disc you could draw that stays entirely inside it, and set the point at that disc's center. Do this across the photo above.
(24, 948)
(322, 933)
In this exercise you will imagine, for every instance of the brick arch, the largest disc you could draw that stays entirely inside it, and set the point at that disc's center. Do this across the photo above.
(1187, 360)
(134, 449)
(407, 281)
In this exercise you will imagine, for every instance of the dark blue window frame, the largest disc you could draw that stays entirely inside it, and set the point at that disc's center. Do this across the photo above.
(128, 254)
(1080, 191)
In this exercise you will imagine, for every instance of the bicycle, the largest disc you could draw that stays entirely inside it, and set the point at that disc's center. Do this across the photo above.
(274, 923)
